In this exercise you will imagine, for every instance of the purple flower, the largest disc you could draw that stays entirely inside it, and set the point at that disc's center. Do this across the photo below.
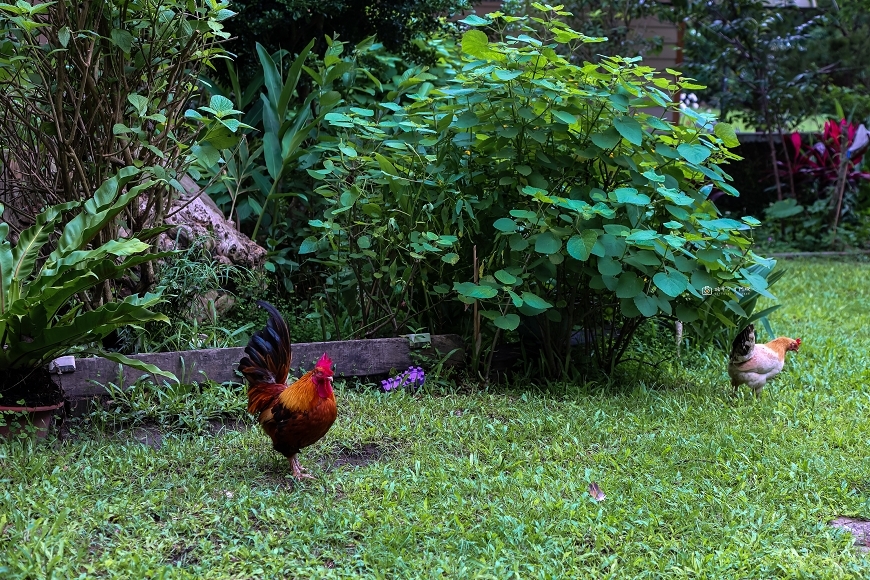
(413, 379)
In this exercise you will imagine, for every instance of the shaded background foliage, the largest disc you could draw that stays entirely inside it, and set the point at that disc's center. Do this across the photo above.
(291, 24)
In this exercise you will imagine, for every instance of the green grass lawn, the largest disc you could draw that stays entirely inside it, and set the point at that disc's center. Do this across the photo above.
(486, 485)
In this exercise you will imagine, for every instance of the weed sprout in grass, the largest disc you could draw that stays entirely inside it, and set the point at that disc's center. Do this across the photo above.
(413, 379)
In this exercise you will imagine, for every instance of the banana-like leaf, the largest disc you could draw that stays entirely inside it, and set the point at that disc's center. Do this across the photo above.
(76, 257)
(97, 212)
(101, 220)
(292, 80)
(78, 280)
(6, 266)
(31, 329)
(151, 233)
(138, 365)
(31, 240)
(271, 75)
(87, 327)
(105, 267)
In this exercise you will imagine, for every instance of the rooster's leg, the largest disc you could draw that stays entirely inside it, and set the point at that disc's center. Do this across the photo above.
(298, 471)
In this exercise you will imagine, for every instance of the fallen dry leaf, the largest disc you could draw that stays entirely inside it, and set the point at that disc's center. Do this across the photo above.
(596, 492)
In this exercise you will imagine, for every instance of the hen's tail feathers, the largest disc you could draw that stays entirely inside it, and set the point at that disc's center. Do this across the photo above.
(269, 353)
(743, 345)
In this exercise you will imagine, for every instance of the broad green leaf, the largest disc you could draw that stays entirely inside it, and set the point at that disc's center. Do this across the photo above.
(646, 305)
(475, 43)
(473, 20)
(507, 322)
(450, 258)
(630, 195)
(308, 246)
(120, 38)
(534, 301)
(671, 282)
(140, 103)
(547, 243)
(471, 290)
(221, 105)
(63, 36)
(629, 285)
(782, 209)
(505, 277)
(31, 241)
(467, 120)
(206, 154)
(642, 237)
(565, 117)
(693, 153)
(606, 140)
(505, 225)
(726, 132)
(518, 243)
(687, 313)
(628, 308)
(721, 224)
(506, 75)
(630, 129)
(580, 246)
(607, 266)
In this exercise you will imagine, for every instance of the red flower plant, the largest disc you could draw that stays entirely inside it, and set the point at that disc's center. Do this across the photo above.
(821, 161)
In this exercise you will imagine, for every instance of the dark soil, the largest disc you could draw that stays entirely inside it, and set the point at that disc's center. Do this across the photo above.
(36, 387)
(226, 424)
(149, 435)
(357, 456)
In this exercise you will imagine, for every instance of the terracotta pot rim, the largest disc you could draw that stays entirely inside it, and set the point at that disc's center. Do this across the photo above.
(32, 409)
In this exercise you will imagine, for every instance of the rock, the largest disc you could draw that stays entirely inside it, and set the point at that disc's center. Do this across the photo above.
(201, 309)
(860, 530)
(198, 215)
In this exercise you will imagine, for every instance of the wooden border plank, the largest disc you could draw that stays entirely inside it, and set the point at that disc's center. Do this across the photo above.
(352, 358)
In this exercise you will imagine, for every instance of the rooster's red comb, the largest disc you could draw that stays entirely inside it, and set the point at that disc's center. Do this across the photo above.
(325, 362)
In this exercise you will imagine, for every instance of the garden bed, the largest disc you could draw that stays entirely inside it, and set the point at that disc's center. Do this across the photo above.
(352, 358)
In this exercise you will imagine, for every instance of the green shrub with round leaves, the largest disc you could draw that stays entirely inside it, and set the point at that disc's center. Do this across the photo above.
(585, 206)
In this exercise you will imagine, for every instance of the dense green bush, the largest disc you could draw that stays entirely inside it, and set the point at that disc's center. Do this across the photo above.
(263, 185)
(91, 88)
(550, 198)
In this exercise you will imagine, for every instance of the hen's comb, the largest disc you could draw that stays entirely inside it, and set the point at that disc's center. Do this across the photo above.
(797, 340)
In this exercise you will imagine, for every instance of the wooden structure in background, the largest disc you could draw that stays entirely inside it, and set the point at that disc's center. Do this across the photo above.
(670, 55)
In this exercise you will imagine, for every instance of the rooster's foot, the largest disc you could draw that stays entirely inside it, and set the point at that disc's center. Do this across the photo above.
(299, 472)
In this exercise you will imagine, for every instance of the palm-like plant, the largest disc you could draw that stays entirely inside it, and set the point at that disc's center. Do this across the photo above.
(40, 318)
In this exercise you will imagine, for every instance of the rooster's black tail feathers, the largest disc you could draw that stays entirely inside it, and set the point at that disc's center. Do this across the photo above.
(268, 351)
